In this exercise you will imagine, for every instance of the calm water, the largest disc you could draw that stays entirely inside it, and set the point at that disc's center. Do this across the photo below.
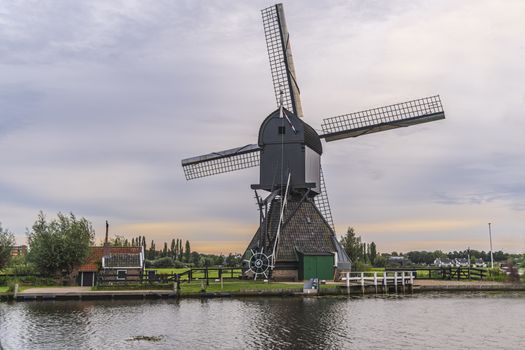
(453, 321)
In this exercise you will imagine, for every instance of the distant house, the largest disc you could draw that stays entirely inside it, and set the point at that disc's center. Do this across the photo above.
(480, 263)
(111, 264)
(122, 264)
(443, 262)
(461, 262)
(19, 250)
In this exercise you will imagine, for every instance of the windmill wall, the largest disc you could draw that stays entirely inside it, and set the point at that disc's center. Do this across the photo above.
(304, 233)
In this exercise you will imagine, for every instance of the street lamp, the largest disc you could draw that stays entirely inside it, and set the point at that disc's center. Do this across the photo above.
(491, 256)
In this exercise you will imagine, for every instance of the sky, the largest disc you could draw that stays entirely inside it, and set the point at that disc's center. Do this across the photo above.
(100, 101)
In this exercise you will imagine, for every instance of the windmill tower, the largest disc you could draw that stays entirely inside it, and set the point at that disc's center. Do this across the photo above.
(296, 237)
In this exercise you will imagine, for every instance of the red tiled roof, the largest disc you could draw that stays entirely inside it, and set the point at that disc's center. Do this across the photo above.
(96, 253)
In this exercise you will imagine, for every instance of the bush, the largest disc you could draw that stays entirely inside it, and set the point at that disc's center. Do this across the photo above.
(165, 262)
(178, 264)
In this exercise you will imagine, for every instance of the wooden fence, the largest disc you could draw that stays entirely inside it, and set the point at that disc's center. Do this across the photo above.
(448, 273)
(192, 274)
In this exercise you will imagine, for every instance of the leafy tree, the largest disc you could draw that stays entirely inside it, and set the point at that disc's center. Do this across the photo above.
(172, 248)
(165, 250)
(352, 244)
(187, 252)
(151, 252)
(7, 241)
(372, 253)
(195, 258)
(59, 245)
(233, 260)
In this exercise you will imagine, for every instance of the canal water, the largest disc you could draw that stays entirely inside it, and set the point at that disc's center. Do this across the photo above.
(422, 321)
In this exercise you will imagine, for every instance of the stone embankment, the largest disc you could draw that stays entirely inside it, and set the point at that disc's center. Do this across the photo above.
(85, 293)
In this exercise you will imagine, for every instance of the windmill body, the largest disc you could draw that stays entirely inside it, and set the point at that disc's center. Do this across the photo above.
(296, 237)
(289, 146)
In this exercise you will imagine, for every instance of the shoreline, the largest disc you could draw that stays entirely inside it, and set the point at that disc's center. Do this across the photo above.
(74, 293)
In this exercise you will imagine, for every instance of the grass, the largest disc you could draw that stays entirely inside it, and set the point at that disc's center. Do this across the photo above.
(3, 289)
(215, 287)
(198, 286)
(239, 286)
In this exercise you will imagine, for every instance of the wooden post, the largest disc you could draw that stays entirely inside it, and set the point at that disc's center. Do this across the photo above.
(395, 281)
(403, 280)
(385, 282)
(347, 282)
(375, 280)
(363, 282)
(206, 276)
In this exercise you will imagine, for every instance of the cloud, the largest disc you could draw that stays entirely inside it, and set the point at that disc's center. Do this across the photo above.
(100, 101)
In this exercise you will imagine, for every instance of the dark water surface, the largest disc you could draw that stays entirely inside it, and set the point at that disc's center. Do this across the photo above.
(425, 321)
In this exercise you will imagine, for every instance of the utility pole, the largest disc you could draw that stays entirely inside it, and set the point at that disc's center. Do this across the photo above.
(491, 256)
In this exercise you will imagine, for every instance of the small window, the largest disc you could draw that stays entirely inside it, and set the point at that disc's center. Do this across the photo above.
(121, 274)
(282, 130)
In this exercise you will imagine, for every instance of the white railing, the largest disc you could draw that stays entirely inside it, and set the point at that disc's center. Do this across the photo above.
(386, 278)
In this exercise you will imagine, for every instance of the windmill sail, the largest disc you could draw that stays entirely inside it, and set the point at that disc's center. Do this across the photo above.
(322, 203)
(221, 162)
(281, 60)
(383, 118)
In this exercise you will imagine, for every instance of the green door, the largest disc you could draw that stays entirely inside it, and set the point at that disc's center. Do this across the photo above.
(317, 266)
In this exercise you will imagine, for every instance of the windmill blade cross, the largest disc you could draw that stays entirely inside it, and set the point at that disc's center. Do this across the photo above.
(281, 60)
(399, 115)
(221, 162)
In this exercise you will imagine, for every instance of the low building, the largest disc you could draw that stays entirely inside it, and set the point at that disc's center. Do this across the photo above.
(108, 264)
(111, 265)
(19, 250)
(443, 262)
(480, 263)
(461, 262)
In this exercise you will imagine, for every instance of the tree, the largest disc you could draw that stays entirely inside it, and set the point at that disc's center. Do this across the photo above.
(7, 241)
(165, 250)
(151, 252)
(372, 253)
(181, 252)
(352, 244)
(172, 248)
(56, 247)
(195, 259)
(233, 260)
(187, 252)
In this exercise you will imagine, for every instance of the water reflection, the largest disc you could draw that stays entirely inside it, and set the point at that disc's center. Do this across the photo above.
(427, 321)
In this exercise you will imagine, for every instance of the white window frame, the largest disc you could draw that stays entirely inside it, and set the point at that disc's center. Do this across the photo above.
(126, 275)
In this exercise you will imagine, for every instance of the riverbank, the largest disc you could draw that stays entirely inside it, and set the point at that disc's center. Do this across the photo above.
(269, 290)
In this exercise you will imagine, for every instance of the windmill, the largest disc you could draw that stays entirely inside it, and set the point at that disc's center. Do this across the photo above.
(296, 236)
